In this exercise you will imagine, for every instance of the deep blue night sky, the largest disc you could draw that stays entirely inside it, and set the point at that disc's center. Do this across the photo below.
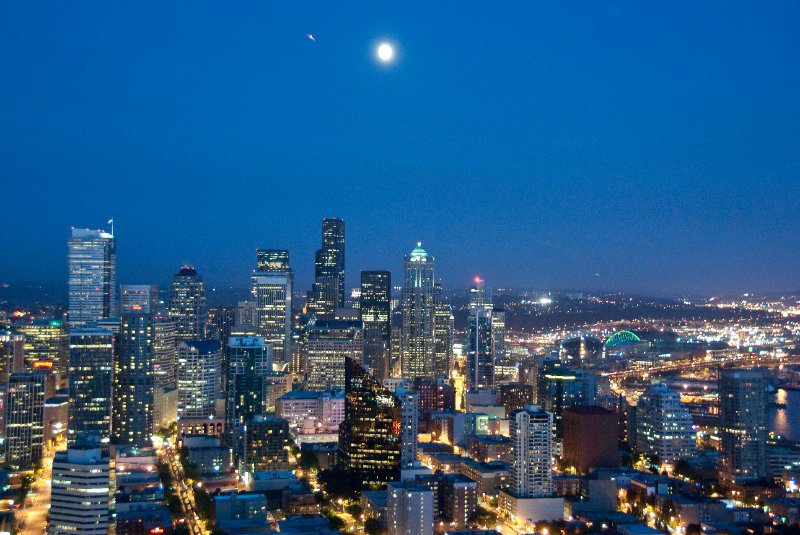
(656, 145)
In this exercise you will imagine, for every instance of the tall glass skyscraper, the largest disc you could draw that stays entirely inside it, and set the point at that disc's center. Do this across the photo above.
(249, 362)
(92, 260)
(187, 304)
(443, 330)
(199, 378)
(418, 306)
(273, 260)
(24, 419)
(90, 371)
(370, 436)
(272, 295)
(132, 421)
(327, 293)
(376, 310)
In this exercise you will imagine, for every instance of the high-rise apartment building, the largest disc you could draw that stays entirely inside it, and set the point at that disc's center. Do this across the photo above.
(132, 419)
(187, 304)
(664, 426)
(409, 508)
(24, 419)
(418, 343)
(327, 345)
(272, 295)
(375, 302)
(742, 409)
(531, 465)
(91, 375)
(199, 378)
(80, 499)
(409, 418)
(370, 436)
(92, 260)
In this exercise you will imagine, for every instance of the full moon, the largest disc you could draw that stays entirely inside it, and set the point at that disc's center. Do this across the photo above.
(385, 52)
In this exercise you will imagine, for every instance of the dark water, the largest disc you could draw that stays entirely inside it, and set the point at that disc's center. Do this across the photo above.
(785, 422)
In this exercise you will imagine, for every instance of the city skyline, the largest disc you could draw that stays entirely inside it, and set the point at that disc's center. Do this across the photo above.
(598, 147)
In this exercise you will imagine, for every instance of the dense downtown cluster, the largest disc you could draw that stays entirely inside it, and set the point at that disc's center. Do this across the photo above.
(398, 409)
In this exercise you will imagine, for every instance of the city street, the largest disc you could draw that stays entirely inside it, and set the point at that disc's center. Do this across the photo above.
(185, 493)
(33, 519)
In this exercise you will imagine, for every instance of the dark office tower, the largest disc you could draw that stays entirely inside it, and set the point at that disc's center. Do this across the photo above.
(220, 323)
(331, 262)
(266, 444)
(138, 299)
(478, 297)
(249, 362)
(327, 292)
(92, 259)
(559, 387)
(442, 333)
(742, 424)
(418, 340)
(516, 396)
(370, 435)
(132, 420)
(480, 354)
(165, 353)
(273, 260)
(376, 309)
(24, 419)
(91, 371)
(435, 395)
(187, 304)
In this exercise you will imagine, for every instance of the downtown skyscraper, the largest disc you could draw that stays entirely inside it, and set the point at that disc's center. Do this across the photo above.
(271, 288)
(327, 292)
(132, 420)
(376, 310)
(418, 306)
(486, 339)
(187, 304)
(370, 436)
(743, 424)
(91, 373)
(92, 282)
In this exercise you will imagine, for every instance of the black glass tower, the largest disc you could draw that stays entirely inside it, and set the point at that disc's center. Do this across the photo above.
(376, 309)
(370, 436)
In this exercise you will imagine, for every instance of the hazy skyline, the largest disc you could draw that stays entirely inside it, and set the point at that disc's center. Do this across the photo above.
(617, 146)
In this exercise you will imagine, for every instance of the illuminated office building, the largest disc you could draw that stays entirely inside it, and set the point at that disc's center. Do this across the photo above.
(442, 333)
(24, 419)
(418, 343)
(187, 304)
(132, 420)
(91, 372)
(370, 435)
(138, 299)
(45, 350)
(92, 264)
(375, 299)
(266, 444)
(480, 353)
(273, 260)
(199, 378)
(327, 345)
(272, 295)
(531, 464)
(80, 501)
(12, 347)
(165, 352)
